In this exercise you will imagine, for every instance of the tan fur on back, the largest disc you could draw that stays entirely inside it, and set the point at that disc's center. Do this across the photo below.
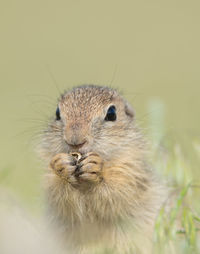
(117, 210)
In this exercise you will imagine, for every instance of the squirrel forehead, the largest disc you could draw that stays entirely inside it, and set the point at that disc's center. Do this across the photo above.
(88, 99)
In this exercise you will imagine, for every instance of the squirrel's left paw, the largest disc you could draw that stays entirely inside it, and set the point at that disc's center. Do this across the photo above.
(90, 168)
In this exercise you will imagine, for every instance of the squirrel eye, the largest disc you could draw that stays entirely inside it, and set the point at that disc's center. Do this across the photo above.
(58, 114)
(111, 114)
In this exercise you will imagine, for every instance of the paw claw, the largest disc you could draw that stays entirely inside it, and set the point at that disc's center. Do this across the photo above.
(63, 165)
(89, 168)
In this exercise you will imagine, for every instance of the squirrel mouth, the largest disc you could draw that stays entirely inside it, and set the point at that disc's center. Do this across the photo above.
(76, 147)
(76, 150)
(82, 148)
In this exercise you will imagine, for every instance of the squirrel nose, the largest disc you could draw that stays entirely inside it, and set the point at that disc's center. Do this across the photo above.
(75, 135)
(75, 141)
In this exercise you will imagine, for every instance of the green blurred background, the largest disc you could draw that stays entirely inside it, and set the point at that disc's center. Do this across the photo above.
(149, 50)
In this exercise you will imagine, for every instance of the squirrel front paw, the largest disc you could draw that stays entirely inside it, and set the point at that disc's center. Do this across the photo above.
(86, 170)
(64, 166)
(89, 168)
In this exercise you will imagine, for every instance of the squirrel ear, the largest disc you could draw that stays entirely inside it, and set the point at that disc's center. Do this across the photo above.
(129, 110)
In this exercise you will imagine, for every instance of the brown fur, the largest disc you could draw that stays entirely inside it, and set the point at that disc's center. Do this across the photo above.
(113, 203)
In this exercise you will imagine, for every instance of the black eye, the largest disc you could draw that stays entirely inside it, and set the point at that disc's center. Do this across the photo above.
(57, 114)
(111, 114)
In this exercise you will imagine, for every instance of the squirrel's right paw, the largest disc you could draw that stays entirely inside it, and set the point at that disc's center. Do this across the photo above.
(64, 165)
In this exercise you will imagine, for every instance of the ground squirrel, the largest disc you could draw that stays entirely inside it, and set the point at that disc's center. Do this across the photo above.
(109, 198)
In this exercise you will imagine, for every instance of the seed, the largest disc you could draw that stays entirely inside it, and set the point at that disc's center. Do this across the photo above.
(76, 155)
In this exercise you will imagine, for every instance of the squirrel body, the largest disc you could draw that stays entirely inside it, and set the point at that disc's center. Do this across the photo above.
(109, 199)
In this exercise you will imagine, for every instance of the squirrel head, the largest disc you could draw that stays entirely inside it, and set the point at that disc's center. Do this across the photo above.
(89, 119)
